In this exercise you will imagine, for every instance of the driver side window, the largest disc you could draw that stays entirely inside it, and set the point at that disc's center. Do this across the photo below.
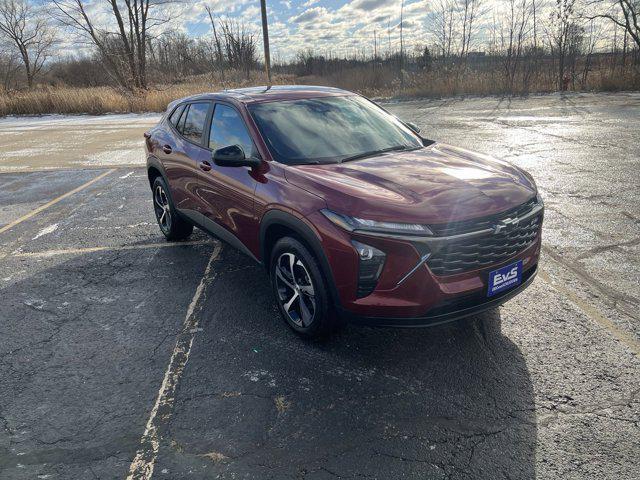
(228, 128)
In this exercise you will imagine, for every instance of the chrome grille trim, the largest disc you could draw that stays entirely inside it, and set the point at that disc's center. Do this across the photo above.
(466, 226)
(423, 259)
(475, 249)
(481, 252)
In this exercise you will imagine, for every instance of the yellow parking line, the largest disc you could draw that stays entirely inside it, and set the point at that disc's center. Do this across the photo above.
(76, 251)
(594, 314)
(54, 201)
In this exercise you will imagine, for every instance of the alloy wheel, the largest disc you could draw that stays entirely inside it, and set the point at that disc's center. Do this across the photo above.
(161, 207)
(296, 292)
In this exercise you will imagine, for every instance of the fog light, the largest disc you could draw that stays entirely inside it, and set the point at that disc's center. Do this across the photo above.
(370, 264)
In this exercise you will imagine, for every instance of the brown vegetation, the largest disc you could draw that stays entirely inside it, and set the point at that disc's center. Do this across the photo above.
(605, 73)
(132, 70)
(99, 100)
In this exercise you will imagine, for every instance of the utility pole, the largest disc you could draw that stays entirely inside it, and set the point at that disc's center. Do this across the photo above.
(375, 45)
(401, 46)
(265, 40)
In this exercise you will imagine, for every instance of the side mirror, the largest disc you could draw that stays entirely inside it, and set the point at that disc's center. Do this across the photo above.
(233, 156)
(413, 126)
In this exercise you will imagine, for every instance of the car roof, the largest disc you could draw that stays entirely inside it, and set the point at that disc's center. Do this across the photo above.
(267, 94)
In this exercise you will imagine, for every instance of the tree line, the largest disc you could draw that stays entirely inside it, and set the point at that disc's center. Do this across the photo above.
(136, 51)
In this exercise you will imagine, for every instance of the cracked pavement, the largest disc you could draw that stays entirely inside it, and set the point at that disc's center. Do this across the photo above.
(544, 387)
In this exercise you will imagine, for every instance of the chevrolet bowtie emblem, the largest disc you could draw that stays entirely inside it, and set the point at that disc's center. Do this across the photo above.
(505, 226)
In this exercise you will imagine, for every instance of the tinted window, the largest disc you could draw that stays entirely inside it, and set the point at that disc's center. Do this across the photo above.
(228, 128)
(330, 129)
(194, 123)
(175, 116)
(183, 117)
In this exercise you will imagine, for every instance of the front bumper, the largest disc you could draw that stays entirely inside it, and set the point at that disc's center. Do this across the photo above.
(423, 297)
(446, 312)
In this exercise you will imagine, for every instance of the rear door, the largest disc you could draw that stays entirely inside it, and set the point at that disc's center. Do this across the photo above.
(184, 153)
(227, 192)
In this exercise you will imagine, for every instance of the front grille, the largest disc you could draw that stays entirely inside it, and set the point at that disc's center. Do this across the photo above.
(456, 228)
(478, 252)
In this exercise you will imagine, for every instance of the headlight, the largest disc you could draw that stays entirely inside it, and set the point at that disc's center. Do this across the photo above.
(353, 223)
(539, 200)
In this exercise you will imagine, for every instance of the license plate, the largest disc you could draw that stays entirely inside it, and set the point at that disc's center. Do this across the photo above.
(504, 278)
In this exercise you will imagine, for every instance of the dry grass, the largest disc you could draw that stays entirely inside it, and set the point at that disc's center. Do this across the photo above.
(371, 81)
(378, 81)
(100, 100)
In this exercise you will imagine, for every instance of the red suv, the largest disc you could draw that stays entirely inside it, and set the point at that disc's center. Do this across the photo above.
(354, 214)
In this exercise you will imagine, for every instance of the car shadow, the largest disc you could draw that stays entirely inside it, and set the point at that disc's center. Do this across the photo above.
(256, 401)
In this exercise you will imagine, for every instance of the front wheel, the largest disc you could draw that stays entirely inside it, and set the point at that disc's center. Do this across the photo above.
(300, 289)
(171, 225)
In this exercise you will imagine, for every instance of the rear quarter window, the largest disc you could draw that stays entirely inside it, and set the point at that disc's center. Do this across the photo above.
(194, 123)
(174, 118)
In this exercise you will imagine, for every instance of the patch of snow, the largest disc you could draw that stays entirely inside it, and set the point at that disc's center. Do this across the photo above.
(25, 152)
(38, 122)
(117, 157)
(46, 231)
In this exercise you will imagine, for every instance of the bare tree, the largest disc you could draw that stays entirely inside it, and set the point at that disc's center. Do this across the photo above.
(515, 34)
(595, 33)
(565, 37)
(454, 25)
(239, 45)
(123, 41)
(468, 12)
(9, 66)
(217, 43)
(623, 13)
(28, 30)
(442, 26)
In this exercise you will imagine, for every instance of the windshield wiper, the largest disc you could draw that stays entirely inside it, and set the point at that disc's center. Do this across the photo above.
(372, 153)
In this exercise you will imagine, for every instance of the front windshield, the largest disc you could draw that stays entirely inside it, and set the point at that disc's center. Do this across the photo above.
(329, 129)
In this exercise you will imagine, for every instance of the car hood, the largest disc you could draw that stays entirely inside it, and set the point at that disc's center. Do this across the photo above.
(436, 184)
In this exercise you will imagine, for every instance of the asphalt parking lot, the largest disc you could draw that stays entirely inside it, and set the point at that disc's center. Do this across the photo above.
(122, 354)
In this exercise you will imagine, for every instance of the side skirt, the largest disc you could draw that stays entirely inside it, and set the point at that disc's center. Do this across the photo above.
(212, 228)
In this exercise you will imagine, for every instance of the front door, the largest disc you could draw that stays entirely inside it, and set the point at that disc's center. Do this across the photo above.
(227, 192)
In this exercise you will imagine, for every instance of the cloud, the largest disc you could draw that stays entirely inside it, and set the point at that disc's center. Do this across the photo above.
(369, 5)
(310, 14)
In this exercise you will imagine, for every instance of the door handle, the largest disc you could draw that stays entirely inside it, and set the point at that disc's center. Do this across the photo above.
(204, 165)
(167, 149)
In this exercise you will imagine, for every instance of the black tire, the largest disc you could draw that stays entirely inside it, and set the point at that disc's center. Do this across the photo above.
(299, 283)
(171, 224)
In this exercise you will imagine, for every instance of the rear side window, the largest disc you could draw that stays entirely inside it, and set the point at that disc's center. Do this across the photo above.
(183, 117)
(228, 128)
(195, 118)
(175, 116)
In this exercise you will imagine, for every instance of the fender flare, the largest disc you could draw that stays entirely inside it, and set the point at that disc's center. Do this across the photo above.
(285, 219)
(153, 162)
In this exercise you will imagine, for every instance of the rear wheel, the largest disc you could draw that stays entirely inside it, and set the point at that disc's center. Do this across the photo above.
(300, 289)
(171, 224)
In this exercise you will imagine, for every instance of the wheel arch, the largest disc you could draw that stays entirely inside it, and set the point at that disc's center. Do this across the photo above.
(277, 224)
(155, 170)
